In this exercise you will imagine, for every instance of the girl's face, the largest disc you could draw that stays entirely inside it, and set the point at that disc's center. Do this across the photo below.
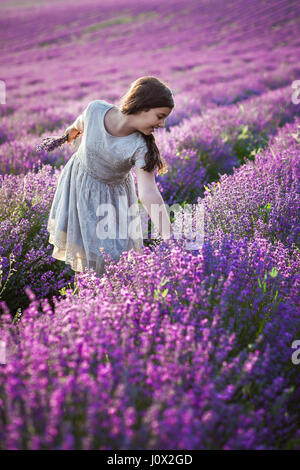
(147, 121)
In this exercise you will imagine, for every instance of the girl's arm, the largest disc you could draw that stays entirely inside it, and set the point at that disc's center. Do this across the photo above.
(73, 134)
(76, 129)
(153, 202)
(78, 124)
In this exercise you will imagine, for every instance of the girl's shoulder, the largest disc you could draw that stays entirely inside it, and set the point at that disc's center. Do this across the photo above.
(96, 104)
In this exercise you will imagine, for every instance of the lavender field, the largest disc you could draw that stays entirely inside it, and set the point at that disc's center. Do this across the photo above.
(172, 348)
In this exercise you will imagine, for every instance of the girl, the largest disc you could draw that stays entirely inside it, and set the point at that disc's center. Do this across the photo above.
(97, 180)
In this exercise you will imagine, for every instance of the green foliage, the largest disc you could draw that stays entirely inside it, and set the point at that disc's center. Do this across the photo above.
(269, 294)
(104, 24)
(63, 290)
(158, 292)
(263, 212)
(248, 143)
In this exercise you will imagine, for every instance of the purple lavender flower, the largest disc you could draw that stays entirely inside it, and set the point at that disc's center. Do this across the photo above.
(50, 143)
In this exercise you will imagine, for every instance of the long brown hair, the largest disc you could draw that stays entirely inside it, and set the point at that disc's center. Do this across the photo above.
(146, 93)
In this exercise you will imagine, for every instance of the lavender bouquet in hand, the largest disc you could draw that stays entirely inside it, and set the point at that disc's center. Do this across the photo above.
(50, 143)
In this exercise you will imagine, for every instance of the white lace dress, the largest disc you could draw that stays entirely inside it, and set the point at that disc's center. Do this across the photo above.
(95, 204)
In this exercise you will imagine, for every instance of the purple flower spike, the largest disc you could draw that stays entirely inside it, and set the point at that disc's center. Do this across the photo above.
(50, 143)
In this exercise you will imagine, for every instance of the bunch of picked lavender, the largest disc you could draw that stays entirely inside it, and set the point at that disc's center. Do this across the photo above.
(50, 143)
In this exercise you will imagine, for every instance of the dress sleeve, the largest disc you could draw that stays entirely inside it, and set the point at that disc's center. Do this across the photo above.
(139, 156)
(80, 120)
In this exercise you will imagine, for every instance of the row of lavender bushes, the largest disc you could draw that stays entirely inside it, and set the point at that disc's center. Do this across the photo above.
(172, 340)
(124, 365)
(261, 197)
(202, 148)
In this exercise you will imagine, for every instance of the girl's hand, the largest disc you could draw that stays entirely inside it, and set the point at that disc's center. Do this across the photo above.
(73, 134)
